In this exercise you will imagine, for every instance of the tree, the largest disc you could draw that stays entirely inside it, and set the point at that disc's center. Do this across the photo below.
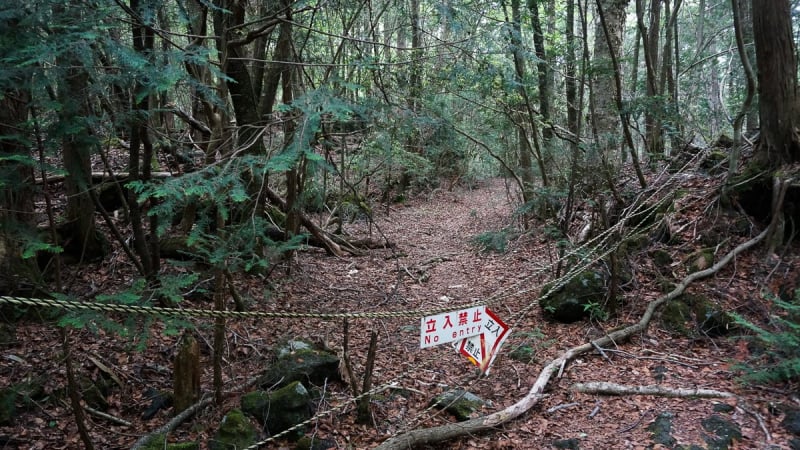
(776, 65)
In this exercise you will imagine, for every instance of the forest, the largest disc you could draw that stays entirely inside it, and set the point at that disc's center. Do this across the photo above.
(231, 224)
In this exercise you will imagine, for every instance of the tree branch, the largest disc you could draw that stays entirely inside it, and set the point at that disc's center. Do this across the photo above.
(607, 388)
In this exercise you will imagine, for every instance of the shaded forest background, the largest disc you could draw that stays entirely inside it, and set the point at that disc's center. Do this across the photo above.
(228, 135)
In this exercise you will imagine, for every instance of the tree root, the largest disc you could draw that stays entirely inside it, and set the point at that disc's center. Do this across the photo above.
(415, 438)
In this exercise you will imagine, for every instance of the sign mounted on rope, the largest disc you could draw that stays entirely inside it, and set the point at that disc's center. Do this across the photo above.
(451, 326)
(482, 349)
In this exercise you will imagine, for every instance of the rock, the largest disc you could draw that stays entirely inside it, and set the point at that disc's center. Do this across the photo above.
(569, 303)
(159, 442)
(661, 429)
(279, 410)
(8, 407)
(710, 318)
(700, 260)
(235, 432)
(661, 260)
(726, 432)
(791, 421)
(723, 408)
(567, 444)
(299, 361)
(460, 403)
(675, 315)
(314, 443)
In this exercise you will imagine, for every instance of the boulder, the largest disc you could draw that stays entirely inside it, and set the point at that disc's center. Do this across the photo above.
(235, 432)
(300, 361)
(281, 409)
(460, 403)
(570, 302)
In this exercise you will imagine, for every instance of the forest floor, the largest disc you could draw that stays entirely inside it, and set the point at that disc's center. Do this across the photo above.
(434, 262)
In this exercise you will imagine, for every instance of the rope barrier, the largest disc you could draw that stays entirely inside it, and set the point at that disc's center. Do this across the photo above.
(214, 314)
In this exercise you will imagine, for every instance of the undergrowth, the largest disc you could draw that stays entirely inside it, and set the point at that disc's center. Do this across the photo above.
(780, 359)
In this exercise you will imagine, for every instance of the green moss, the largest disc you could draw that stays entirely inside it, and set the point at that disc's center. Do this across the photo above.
(675, 315)
(234, 432)
(700, 260)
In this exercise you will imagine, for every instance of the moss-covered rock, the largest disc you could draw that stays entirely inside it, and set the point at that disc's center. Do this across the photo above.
(710, 318)
(460, 403)
(791, 421)
(700, 260)
(235, 432)
(661, 259)
(299, 361)
(724, 432)
(661, 430)
(8, 407)
(567, 444)
(159, 442)
(569, 303)
(281, 409)
(314, 443)
(675, 315)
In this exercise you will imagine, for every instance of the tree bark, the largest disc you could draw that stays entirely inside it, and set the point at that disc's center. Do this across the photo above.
(777, 81)
(77, 145)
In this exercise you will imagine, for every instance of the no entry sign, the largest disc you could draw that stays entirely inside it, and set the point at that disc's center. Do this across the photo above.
(451, 326)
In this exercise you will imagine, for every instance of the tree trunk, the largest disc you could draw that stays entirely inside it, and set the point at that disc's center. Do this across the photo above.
(16, 189)
(77, 145)
(604, 87)
(229, 16)
(777, 81)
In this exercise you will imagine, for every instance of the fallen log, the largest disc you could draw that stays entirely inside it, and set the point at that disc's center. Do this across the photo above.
(331, 247)
(607, 388)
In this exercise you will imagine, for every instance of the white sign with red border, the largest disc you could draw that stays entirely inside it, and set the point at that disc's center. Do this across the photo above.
(482, 349)
(451, 326)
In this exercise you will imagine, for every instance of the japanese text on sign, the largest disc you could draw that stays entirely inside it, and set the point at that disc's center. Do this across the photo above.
(451, 326)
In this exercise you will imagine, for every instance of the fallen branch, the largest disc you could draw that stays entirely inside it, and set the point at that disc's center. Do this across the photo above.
(176, 421)
(419, 437)
(331, 247)
(606, 388)
(108, 417)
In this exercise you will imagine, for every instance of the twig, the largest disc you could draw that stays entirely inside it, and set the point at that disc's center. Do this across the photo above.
(759, 419)
(560, 407)
(596, 409)
(602, 353)
(108, 417)
(635, 424)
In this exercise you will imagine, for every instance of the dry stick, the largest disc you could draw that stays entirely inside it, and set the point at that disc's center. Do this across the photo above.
(107, 417)
(606, 388)
(364, 414)
(441, 433)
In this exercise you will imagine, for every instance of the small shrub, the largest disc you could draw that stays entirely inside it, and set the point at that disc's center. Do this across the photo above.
(493, 241)
(781, 344)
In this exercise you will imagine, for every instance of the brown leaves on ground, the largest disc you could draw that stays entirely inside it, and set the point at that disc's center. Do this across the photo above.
(434, 264)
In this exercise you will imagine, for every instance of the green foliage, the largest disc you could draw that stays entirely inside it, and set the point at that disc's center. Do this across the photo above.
(494, 241)
(780, 360)
(532, 342)
(596, 311)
